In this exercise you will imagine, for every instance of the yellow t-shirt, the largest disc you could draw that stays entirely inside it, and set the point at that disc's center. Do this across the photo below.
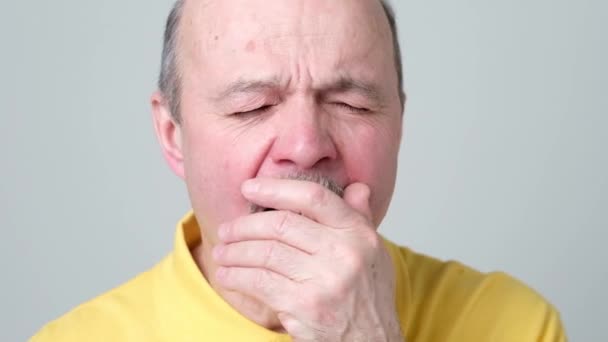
(436, 301)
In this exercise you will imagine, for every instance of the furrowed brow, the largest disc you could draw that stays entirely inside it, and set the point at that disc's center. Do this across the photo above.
(346, 84)
(246, 86)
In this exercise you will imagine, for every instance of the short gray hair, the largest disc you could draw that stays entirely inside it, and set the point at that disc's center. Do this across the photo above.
(169, 81)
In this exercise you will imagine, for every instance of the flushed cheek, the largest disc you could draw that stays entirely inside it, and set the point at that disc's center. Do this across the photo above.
(206, 186)
(371, 158)
(221, 163)
(369, 149)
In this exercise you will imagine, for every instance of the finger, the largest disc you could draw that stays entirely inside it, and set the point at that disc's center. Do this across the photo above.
(275, 256)
(296, 329)
(357, 196)
(285, 226)
(266, 286)
(307, 198)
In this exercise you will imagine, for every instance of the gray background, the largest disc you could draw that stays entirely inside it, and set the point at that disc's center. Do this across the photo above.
(503, 166)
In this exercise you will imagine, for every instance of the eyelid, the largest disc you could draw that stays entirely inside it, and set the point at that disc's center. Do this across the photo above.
(350, 107)
(260, 109)
(249, 103)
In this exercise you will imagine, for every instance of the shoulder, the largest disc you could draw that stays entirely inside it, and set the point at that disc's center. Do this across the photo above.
(112, 316)
(512, 311)
(469, 305)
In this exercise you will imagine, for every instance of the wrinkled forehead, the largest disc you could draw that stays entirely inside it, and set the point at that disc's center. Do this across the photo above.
(223, 26)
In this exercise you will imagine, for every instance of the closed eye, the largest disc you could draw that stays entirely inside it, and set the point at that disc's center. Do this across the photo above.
(350, 108)
(258, 110)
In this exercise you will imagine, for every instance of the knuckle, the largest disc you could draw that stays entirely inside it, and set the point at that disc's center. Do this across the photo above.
(372, 239)
(283, 222)
(357, 265)
(313, 302)
(353, 260)
(270, 253)
(339, 287)
(320, 311)
(260, 281)
(227, 231)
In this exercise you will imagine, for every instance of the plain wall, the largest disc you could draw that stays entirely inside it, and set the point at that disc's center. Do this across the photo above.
(503, 164)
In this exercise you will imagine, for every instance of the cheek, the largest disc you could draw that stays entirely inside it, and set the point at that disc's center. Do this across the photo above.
(217, 161)
(371, 151)
(371, 158)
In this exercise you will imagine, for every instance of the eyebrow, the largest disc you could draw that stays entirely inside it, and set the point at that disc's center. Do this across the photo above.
(247, 86)
(341, 84)
(345, 84)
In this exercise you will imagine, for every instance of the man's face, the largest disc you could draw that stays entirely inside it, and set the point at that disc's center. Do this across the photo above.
(272, 88)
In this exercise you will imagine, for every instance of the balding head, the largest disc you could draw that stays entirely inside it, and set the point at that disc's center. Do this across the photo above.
(169, 81)
(273, 88)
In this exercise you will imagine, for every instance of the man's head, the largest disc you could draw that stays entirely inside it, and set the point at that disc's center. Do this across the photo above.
(169, 79)
(272, 88)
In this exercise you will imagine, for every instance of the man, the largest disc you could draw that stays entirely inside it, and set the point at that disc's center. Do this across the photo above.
(284, 118)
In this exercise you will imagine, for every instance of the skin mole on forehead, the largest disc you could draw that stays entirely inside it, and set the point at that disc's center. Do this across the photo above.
(250, 46)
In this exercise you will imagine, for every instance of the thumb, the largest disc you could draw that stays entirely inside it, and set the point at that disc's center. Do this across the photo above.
(357, 196)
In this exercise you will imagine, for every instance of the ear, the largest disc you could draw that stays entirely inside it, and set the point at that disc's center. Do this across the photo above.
(404, 103)
(168, 133)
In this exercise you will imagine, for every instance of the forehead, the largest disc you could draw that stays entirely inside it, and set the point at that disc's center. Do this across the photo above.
(229, 38)
(285, 16)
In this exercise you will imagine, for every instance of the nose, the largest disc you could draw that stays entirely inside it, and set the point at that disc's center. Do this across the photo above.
(304, 140)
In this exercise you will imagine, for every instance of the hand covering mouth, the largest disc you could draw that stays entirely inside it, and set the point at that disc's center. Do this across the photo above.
(315, 177)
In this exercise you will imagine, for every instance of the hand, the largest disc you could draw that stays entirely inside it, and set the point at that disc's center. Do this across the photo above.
(325, 270)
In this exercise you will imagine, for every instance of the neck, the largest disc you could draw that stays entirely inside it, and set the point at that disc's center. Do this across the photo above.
(247, 306)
